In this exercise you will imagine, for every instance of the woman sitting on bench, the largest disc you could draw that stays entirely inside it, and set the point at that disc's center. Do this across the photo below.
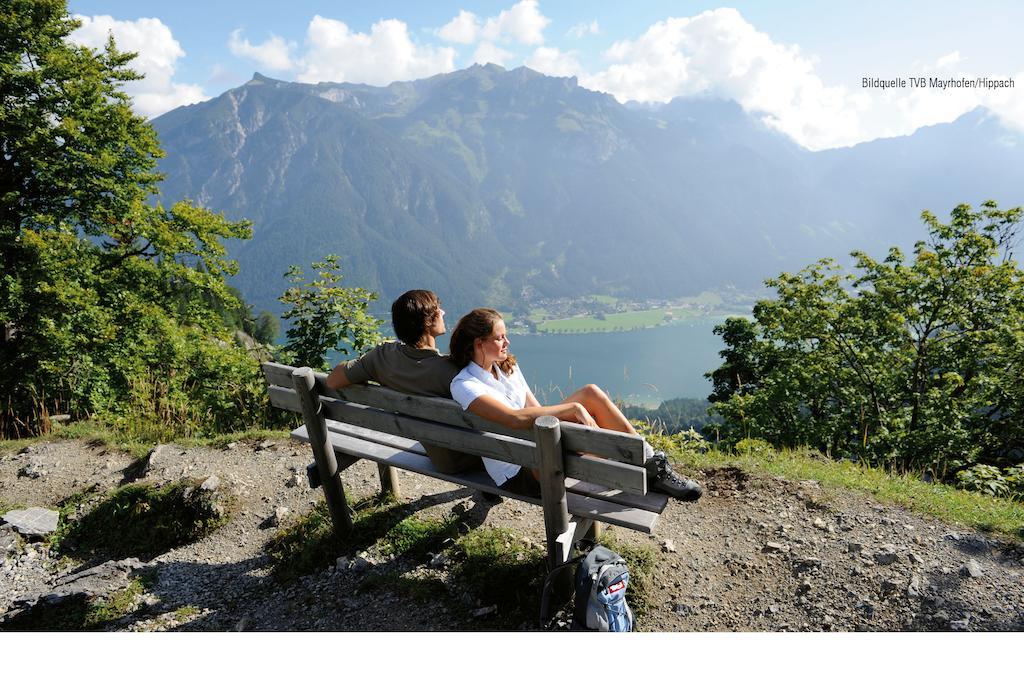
(491, 385)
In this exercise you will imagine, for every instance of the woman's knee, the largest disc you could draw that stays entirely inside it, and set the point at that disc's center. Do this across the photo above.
(594, 392)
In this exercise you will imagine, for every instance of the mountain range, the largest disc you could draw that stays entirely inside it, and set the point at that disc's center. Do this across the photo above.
(499, 187)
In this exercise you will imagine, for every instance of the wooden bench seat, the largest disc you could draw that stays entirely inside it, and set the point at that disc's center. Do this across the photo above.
(393, 455)
(587, 475)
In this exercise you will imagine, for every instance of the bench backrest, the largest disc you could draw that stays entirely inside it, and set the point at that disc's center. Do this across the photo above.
(442, 422)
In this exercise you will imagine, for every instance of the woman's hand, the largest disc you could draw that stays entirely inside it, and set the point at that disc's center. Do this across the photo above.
(580, 414)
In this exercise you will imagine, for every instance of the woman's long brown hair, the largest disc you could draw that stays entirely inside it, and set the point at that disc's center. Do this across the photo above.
(476, 324)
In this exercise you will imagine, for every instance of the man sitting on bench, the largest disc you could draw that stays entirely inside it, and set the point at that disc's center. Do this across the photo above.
(412, 365)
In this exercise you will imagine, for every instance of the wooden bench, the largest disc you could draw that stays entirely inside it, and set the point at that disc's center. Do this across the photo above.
(578, 492)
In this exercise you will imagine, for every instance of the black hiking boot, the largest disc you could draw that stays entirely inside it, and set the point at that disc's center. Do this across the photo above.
(492, 498)
(660, 477)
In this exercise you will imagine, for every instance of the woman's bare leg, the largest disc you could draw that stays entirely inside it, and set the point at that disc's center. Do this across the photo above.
(605, 413)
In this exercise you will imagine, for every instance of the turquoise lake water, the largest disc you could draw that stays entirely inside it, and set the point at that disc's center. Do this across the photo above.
(640, 366)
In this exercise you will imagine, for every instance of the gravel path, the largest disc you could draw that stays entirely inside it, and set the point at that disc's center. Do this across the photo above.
(755, 554)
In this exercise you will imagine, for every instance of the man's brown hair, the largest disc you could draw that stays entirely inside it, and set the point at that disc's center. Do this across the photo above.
(412, 313)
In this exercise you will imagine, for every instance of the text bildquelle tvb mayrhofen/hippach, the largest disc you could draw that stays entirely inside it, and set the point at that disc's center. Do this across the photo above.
(936, 83)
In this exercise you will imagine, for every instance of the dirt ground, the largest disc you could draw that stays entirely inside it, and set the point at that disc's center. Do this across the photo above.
(755, 553)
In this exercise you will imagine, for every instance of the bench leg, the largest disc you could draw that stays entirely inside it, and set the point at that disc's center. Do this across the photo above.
(558, 531)
(389, 480)
(323, 451)
(594, 533)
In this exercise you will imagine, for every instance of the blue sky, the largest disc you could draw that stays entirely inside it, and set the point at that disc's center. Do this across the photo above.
(797, 65)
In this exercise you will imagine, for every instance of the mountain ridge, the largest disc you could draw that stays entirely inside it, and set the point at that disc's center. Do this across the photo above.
(503, 186)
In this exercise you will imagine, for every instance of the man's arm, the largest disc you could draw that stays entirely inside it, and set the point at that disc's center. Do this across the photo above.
(338, 379)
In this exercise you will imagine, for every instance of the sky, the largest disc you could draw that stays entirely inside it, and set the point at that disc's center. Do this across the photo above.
(798, 66)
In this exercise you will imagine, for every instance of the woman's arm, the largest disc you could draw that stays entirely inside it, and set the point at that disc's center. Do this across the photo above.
(494, 410)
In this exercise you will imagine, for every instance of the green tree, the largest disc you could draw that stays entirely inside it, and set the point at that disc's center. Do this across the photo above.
(326, 316)
(267, 328)
(912, 364)
(110, 306)
(72, 150)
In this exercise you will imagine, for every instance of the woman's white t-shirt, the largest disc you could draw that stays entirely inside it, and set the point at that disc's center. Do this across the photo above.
(474, 382)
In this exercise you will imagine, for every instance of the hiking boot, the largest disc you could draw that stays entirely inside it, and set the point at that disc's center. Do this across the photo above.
(492, 498)
(660, 477)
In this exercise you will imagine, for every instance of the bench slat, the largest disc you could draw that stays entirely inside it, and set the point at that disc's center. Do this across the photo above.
(607, 473)
(581, 506)
(653, 501)
(497, 446)
(604, 442)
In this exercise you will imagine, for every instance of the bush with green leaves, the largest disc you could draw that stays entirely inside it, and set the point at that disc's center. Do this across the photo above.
(914, 364)
(325, 316)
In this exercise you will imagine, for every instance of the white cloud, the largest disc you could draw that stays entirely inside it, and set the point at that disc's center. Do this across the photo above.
(583, 29)
(158, 53)
(462, 29)
(273, 54)
(718, 53)
(522, 23)
(489, 53)
(948, 60)
(553, 62)
(382, 56)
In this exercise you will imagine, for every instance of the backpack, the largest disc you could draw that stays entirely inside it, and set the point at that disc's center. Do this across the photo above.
(600, 592)
(601, 581)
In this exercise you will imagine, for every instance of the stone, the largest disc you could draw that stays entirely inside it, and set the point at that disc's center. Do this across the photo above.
(212, 483)
(33, 521)
(805, 563)
(960, 624)
(294, 480)
(280, 514)
(773, 547)
(438, 560)
(360, 564)
(854, 547)
(230, 446)
(914, 587)
(8, 539)
(973, 569)
(819, 523)
(668, 545)
(889, 586)
(484, 611)
(341, 563)
(157, 457)
(915, 558)
(95, 581)
(265, 445)
(885, 558)
(26, 449)
(682, 609)
(33, 470)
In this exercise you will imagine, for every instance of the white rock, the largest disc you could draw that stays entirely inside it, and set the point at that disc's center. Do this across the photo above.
(668, 545)
(280, 514)
(973, 569)
(212, 483)
(33, 521)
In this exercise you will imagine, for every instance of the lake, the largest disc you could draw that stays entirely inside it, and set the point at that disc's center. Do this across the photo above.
(644, 366)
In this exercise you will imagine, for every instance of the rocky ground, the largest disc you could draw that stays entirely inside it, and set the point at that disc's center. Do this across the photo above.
(755, 554)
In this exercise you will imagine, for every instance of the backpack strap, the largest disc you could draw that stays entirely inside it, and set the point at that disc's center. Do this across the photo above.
(545, 594)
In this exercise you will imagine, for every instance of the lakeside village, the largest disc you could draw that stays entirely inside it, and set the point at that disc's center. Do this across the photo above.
(601, 313)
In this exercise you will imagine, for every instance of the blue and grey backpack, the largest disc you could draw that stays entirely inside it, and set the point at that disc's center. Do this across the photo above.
(600, 592)
(601, 581)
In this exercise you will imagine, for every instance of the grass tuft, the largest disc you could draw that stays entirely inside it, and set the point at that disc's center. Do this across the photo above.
(138, 520)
